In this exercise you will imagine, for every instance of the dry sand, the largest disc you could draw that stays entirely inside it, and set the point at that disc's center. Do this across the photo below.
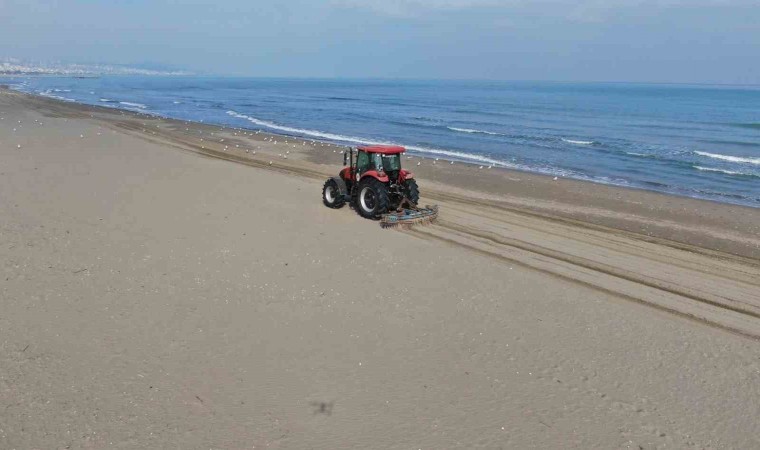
(154, 294)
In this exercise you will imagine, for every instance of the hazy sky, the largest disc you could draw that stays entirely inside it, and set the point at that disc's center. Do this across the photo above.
(613, 40)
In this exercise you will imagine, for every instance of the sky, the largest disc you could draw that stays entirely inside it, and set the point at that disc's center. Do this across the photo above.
(674, 41)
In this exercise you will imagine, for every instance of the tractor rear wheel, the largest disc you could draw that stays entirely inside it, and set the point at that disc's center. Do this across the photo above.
(331, 196)
(412, 191)
(371, 198)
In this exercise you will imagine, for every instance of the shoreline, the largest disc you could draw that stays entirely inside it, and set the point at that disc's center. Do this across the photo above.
(719, 226)
(444, 155)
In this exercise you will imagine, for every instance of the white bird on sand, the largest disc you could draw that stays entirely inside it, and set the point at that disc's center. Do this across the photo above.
(452, 162)
(418, 163)
(18, 146)
(270, 163)
(81, 136)
(555, 178)
(480, 167)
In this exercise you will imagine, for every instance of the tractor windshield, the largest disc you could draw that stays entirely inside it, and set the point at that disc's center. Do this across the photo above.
(390, 163)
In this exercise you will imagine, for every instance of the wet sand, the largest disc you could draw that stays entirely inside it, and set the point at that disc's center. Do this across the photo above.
(159, 290)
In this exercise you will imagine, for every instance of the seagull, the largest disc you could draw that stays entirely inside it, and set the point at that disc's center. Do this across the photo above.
(452, 162)
(18, 146)
(480, 167)
(555, 178)
(418, 163)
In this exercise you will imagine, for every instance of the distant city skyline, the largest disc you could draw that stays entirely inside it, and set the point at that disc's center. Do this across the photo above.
(661, 41)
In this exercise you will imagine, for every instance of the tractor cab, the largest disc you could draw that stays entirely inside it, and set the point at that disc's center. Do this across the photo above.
(380, 161)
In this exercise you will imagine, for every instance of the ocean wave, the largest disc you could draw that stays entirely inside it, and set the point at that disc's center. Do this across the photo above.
(640, 155)
(106, 100)
(576, 142)
(751, 125)
(48, 94)
(728, 142)
(134, 105)
(471, 131)
(727, 172)
(445, 154)
(734, 159)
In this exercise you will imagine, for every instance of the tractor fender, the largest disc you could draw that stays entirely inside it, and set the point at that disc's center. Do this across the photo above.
(342, 189)
(374, 174)
(405, 175)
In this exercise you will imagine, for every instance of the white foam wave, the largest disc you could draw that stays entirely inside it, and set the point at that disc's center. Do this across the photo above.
(644, 155)
(735, 159)
(575, 142)
(48, 94)
(471, 131)
(105, 100)
(134, 105)
(728, 172)
(446, 154)
(176, 102)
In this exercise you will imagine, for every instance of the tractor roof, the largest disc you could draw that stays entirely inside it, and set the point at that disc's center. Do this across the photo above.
(384, 149)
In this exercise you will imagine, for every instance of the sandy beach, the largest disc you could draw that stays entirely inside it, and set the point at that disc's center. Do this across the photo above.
(168, 284)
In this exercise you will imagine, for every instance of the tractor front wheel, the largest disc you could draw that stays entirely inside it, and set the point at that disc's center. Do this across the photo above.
(371, 198)
(331, 196)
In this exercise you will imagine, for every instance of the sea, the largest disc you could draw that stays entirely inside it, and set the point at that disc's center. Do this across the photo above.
(698, 141)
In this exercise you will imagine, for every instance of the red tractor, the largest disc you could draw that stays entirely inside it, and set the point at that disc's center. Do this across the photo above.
(372, 181)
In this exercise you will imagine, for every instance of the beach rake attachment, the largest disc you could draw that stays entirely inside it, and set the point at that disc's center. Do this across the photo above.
(408, 214)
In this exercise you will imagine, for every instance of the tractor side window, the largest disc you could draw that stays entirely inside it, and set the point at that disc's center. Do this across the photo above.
(362, 162)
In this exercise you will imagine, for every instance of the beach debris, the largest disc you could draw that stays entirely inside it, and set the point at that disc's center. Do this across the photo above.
(18, 146)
